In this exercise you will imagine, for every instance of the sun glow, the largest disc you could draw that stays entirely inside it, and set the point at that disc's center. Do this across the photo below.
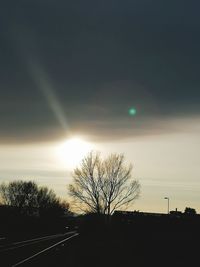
(72, 151)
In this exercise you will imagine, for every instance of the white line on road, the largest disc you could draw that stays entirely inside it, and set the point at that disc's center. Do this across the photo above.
(35, 239)
(44, 250)
(39, 238)
(24, 243)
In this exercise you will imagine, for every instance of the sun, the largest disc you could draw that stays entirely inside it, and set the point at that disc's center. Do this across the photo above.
(72, 151)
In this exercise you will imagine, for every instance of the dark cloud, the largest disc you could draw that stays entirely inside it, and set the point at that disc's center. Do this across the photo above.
(97, 59)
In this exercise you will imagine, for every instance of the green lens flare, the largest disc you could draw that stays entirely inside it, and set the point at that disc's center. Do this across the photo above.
(132, 111)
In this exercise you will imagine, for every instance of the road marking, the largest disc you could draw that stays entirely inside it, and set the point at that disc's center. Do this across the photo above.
(17, 245)
(39, 238)
(35, 239)
(44, 250)
(24, 245)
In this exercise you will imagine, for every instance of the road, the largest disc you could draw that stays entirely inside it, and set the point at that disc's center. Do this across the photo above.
(23, 253)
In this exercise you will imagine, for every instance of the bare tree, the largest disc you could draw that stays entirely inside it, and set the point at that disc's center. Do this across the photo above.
(29, 198)
(103, 185)
(20, 194)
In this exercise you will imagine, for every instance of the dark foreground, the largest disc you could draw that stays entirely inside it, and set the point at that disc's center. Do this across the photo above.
(139, 243)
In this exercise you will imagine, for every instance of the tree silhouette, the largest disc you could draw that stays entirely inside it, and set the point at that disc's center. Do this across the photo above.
(20, 194)
(49, 204)
(190, 211)
(28, 198)
(103, 185)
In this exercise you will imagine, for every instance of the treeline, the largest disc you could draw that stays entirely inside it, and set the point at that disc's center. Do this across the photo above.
(27, 210)
(28, 199)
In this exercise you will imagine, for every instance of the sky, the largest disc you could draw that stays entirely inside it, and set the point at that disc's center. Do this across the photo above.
(76, 68)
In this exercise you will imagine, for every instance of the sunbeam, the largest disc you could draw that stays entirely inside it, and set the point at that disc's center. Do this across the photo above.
(45, 87)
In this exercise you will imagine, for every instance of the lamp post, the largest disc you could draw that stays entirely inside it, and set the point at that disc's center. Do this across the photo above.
(167, 204)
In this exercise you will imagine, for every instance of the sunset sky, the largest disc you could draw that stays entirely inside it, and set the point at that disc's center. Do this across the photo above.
(120, 76)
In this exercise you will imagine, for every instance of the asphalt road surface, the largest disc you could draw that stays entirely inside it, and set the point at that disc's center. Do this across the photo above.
(26, 252)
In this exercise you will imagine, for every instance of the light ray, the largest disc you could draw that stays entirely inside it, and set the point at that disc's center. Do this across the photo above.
(45, 87)
(27, 47)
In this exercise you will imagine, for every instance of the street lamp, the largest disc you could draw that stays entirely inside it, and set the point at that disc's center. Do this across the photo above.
(167, 204)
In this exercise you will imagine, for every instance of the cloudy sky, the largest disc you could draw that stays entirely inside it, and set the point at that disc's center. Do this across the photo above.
(76, 68)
